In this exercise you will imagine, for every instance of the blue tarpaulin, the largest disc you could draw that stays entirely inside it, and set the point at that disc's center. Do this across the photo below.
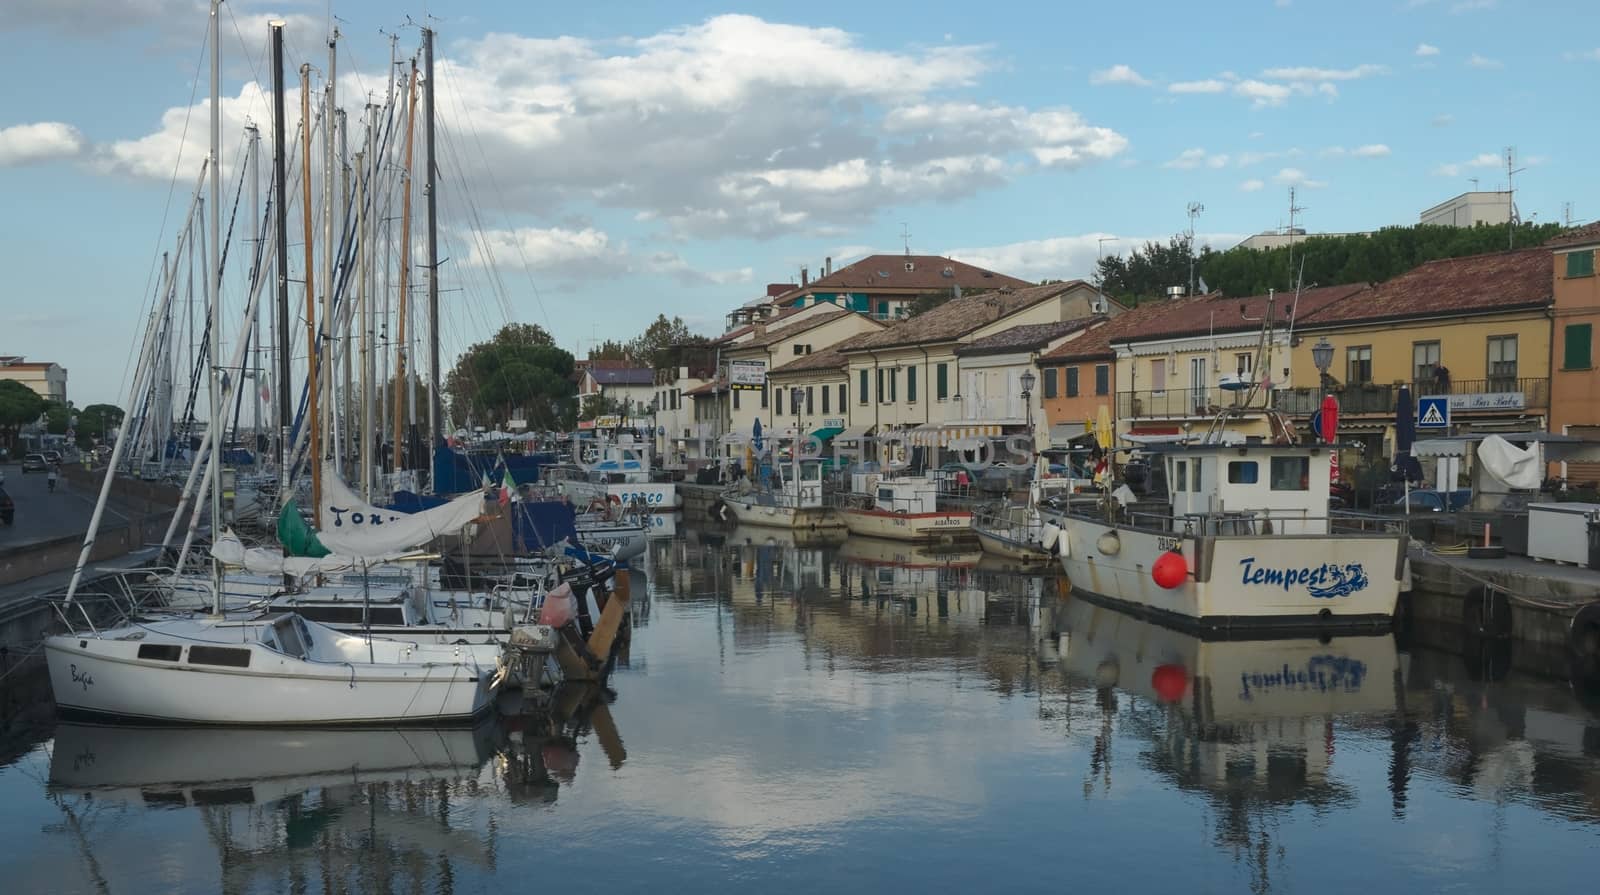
(537, 524)
(456, 472)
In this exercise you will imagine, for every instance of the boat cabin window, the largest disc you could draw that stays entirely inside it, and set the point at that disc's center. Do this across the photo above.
(289, 636)
(1243, 472)
(811, 472)
(1194, 478)
(1180, 475)
(166, 652)
(1291, 473)
(388, 615)
(232, 657)
(332, 615)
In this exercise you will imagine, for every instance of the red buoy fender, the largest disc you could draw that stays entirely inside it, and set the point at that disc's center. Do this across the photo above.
(1170, 570)
(1170, 682)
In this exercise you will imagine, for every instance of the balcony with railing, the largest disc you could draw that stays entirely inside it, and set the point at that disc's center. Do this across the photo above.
(1496, 394)
(1183, 403)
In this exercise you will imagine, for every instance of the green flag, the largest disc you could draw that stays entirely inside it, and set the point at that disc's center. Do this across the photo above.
(297, 538)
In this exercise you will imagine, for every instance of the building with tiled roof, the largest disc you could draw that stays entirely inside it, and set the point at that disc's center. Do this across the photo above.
(885, 286)
(1575, 317)
(48, 380)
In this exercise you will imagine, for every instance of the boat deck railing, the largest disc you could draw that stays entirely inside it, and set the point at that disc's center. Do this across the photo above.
(1007, 525)
(1263, 522)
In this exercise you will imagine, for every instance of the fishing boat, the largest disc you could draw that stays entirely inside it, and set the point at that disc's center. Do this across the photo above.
(1243, 542)
(901, 508)
(620, 471)
(794, 502)
(1018, 531)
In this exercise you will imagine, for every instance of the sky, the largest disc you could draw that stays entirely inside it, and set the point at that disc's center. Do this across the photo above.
(605, 162)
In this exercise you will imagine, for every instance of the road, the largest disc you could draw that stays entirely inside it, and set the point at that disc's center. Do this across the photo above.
(42, 515)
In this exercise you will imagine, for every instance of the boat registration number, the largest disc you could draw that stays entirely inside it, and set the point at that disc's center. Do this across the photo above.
(642, 497)
(1169, 543)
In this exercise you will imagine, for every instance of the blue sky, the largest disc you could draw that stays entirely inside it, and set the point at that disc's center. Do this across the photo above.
(625, 159)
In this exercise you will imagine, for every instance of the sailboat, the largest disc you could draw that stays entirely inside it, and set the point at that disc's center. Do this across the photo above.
(276, 668)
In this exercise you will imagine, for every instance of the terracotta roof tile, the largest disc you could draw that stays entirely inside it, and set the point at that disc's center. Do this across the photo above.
(831, 358)
(960, 316)
(628, 376)
(1576, 236)
(1473, 284)
(927, 274)
(779, 333)
(1028, 337)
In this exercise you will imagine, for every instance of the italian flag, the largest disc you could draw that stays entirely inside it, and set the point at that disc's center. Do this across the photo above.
(507, 485)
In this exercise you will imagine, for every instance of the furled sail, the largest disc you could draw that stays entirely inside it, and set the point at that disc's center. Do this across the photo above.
(352, 527)
(265, 561)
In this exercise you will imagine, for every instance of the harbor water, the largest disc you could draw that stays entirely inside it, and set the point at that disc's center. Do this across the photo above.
(864, 717)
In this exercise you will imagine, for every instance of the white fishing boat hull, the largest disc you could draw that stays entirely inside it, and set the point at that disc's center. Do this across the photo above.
(653, 496)
(104, 676)
(999, 543)
(622, 542)
(748, 511)
(907, 526)
(1239, 581)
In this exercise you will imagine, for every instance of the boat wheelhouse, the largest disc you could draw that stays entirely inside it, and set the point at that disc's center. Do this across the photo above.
(1242, 539)
(794, 502)
(901, 508)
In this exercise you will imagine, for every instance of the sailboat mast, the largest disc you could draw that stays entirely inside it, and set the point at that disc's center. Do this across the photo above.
(255, 272)
(312, 395)
(434, 409)
(214, 284)
(280, 142)
(364, 331)
(329, 126)
(401, 372)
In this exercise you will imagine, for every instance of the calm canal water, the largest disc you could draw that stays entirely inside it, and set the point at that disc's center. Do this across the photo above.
(862, 718)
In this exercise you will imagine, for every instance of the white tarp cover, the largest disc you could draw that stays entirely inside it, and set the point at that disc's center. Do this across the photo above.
(1505, 462)
(263, 561)
(352, 527)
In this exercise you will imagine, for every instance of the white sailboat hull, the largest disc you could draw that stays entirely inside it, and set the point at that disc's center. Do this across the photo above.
(104, 677)
(999, 544)
(1239, 581)
(653, 496)
(622, 542)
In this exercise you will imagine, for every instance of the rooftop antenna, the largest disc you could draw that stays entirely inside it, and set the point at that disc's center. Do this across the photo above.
(1194, 212)
(1293, 210)
(1474, 183)
(905, 237)
(1511, 197)
(1566, 214)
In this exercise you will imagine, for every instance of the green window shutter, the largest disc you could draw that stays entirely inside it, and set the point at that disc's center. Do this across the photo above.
(1580, 264)
(911, 384)
(1579, 338)
(1072, 382)
(862, 389)
(1050, 383)
(942, 381)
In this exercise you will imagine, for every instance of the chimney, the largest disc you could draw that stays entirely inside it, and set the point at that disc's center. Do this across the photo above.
(760, 328)
(805, 277)
(827, 266)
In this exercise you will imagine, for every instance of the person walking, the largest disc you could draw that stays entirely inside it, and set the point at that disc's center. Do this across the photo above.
(50, 477)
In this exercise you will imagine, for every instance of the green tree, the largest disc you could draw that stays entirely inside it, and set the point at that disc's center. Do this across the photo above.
(95, 421)
(59, 417)
(655, 346)
(19, 406)
(519, 371)
(610, 350)
(1148, 271)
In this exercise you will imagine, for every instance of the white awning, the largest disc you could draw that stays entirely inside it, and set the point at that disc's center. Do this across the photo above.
(950, 433)
(1063, 434)
(925, 435)
(853, 433)
(1438, 447)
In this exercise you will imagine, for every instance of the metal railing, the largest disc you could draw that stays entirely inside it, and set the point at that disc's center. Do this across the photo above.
(1183, 403)
(1494, 393)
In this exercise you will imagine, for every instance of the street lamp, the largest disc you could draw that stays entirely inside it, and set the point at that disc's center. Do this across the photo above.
(1322, 357)
(1028, 380)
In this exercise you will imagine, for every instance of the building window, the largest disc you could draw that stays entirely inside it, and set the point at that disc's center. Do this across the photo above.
(1577, 341)
(1244, 363)
(1072, 382)
(1291, 473)
(1358, 364)
(799, 349)
(1180, 475)
(941, 381)
(883, 309)
(763, 397)
(861, 389)
(825, 398)
(911, 385)
(736, 400)
(1503, 362)
(881, 392)
(1158, 376)
(1580, 264)
(1047, 382)
(894, 382)
(1102, 379)
(811, 397)
(777, 397)
(1424, 363)
(842, 393)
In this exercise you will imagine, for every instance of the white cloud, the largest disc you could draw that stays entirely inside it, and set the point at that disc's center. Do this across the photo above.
(1066, 257)
(1587, 55)
(733, 126)
(1297, 177)
(44, 141)
(1481, 160)
(1427, 50)
(1118, 74)
(1470, 5)
(1262, 93)
(1309, 73)
(1370, 150)
(1443, 119)
(1252, 185)
(585, 253)
(1477, 61)
(1210, 85)
(1196, 158)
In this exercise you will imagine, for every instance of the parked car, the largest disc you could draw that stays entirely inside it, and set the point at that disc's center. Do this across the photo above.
(1428, 501)
(54, 457)
(35, 463)
(8, 508)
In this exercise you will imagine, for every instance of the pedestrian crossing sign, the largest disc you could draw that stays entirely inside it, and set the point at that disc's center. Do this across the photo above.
(1433, 413)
